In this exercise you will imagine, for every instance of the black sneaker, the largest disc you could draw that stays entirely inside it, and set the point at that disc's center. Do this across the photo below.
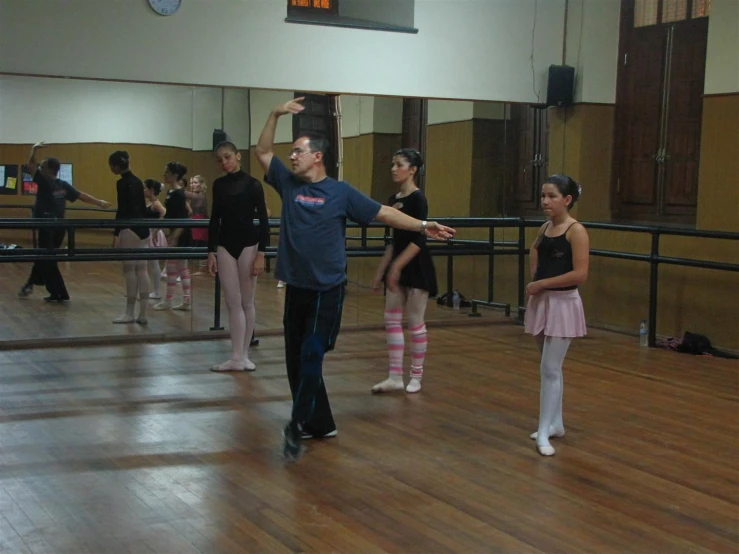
(25, 291)
(292, 450)
(308, 433)
(57, 299)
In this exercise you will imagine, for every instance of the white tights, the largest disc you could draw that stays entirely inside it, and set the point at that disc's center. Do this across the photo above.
(137, 279)
(553, 352)
(239, 286)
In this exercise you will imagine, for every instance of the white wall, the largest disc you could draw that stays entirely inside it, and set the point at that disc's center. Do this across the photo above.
(395, 12)
(490, 110)
(722, 63)
(388, 116)
(236, 116)
(206, 116)
(71, 111)
(466, 49)
(79, 111)
(262, 103)
(445, 111)
(592, 48)
(357, 115)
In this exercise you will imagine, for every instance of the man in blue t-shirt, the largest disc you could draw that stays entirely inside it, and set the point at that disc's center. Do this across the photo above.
(52, 196)
(312, 263)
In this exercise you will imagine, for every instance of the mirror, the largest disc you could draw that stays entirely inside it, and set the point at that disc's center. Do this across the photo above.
(471, 157)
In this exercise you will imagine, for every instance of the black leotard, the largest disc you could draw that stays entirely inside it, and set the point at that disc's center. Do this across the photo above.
(237, 199)
(420, 272)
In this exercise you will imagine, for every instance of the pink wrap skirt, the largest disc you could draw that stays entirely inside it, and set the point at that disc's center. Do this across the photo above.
(555, 313)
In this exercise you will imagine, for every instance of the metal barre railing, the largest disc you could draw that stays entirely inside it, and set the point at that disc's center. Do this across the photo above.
(450, 249)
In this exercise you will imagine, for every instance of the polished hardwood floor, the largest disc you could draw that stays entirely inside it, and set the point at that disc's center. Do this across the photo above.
(138, 448)
(97, 292)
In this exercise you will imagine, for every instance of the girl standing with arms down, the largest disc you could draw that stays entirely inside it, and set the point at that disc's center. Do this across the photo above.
(236, 249)
(154, 210)
(131, 205)
(559, 262)
(176, 207)
(410, 277)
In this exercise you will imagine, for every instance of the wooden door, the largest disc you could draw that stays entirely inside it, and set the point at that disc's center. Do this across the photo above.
(659, 108)
(319, 117)
(641, 117)
(530, 158)
(415, 117)
(683, 123)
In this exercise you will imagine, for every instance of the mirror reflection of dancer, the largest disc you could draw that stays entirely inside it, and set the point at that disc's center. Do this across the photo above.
(409, 272)
(236, 249)
(177, 207)
(51, 203)
(559, 261)
(312, 261)
(131, 205)
(199, 205)
(155, 210)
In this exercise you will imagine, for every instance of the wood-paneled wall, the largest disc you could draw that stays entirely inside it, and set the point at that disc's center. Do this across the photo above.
(718, 182)
(616, 293)
(384, 146)
(459, 183)
(581, 145)
(489, 171)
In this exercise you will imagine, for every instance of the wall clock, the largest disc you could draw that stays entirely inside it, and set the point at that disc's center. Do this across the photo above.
(165, 7)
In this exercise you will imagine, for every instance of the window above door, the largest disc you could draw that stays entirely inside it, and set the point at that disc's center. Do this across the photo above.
(655, 12)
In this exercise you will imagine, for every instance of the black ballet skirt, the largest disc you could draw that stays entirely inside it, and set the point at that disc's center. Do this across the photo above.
(420, 272)
(176, 206)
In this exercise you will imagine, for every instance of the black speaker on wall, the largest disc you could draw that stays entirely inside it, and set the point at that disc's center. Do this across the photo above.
(219, 135)
(560, 85)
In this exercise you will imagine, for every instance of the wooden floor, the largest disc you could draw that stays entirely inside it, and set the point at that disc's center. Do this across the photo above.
(138, 448)
(97, 292)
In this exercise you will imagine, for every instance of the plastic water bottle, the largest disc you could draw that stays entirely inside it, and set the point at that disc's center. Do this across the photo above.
(643, 338)
(455, 300)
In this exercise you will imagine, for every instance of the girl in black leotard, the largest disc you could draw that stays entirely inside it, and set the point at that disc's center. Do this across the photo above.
(554, 313)
(131, 205)
(236, 249)
(154, 210)
(177, 208)
(409, 272)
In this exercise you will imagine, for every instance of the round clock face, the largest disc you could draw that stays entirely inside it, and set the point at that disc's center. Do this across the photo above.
(165, 7)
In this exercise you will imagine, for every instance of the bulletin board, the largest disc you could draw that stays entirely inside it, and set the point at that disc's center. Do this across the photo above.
(8, 179)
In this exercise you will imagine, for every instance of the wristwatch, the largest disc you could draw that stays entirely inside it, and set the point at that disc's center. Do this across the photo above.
(423, 226)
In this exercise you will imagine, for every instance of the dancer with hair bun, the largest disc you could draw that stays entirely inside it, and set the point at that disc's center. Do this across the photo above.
(408, 270)
(559, 262)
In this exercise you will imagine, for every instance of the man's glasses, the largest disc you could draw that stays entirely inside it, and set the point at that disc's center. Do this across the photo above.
(297, 152)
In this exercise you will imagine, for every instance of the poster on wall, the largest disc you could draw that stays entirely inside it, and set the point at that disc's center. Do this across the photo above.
(8, 179)
(65, 173)
(29, 186)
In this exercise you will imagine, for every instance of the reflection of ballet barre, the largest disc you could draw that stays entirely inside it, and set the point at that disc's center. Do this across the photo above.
(451, 249)
(475, 303)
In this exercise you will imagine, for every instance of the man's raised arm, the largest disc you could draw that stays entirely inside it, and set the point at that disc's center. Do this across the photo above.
(266, 143)
(32, 164)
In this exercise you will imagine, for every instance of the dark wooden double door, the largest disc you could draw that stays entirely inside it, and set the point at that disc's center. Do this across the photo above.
(658, 121)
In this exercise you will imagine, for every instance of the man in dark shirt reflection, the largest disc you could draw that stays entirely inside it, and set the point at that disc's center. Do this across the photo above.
(51, 201)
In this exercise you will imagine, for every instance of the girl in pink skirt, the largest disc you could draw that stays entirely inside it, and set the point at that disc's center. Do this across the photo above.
(559, 263)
